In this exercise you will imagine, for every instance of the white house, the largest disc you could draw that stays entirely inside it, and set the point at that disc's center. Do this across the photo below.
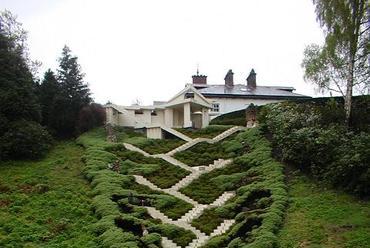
(229, 97)
(186, 109)
(197, 103)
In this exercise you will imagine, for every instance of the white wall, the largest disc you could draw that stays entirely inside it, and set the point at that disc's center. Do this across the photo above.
(232, 104)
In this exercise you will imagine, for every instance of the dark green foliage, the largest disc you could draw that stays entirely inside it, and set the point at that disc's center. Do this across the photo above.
(234, 118)
(208, 187)
(25, 139)
(308, 135)
(208, 221)
(74, 95)
(259, 205)
(158, 171)
(201, 154)
(47, 92)
(207, 132)
(180, 236)
(90, 116)
(20, 134)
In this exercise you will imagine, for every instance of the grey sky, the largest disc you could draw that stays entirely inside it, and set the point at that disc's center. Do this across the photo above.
(149, 49)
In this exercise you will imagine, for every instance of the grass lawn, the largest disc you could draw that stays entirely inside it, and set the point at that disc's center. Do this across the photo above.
(46, 203)
(319, 217)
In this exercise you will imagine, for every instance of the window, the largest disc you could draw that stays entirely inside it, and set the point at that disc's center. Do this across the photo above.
(215, 107)
(189, 95)
(153, 113)
(138, 112)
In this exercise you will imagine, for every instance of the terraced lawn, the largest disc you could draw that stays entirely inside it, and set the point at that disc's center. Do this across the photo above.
(253, 214)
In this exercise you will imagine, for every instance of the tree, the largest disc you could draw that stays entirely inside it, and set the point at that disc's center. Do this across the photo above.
(74, 94)
(342, 63)
(48, 90)
(20, 131)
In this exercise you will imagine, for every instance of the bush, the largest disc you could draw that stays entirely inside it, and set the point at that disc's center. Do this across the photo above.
(312, 136)
(90, 116)
(25, 140)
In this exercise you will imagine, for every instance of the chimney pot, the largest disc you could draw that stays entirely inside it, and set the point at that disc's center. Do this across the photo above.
(252, 80)
(229, 79)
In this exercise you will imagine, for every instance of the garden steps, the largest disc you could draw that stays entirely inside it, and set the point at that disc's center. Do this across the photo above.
(167, 243)
(176, 133)
(142, 180)
(222, 228)
(180, 196)
(195, 141)
(136, 149)
(187, 145)
(174, 161)
(193, 213)
(227, 133)
(222, 199)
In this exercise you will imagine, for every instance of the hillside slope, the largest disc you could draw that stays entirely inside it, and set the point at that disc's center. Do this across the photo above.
(46, 203)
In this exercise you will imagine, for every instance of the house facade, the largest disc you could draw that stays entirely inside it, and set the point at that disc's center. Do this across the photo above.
(198, 103)
(186, 109)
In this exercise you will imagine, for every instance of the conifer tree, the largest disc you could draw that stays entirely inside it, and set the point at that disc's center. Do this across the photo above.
(74, 94)
(48, 91)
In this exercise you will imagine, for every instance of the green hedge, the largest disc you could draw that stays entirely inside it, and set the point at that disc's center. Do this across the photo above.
(312, 136)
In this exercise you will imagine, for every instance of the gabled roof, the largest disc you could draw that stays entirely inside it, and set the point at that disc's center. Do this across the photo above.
(189, 88)
(241, 91)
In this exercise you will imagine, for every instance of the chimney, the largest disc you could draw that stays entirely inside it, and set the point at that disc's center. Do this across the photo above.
(251, 80)
(199, 79)
(229, 79)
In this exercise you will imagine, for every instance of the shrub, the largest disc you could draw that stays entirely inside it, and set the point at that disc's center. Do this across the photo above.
(90, 116)
(311, 135)
(25, 140)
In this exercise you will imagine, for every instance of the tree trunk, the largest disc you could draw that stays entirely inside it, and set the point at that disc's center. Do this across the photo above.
(348, 97)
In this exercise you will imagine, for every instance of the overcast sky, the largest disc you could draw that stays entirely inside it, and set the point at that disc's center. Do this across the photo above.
(148, 50)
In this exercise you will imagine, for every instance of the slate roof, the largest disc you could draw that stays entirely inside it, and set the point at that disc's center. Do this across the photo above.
(241, 91)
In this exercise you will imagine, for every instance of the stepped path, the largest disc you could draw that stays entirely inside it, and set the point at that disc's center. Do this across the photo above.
(197, 210)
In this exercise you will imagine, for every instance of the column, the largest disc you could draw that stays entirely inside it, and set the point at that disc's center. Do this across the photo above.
(187, 115)
(168, 117)
(205, 117)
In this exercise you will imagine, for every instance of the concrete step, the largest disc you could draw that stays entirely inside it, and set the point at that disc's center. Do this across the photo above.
(176, 133)
(193, 213)
(222, 199)
(135, 149)
(167, 243)
(222, 228)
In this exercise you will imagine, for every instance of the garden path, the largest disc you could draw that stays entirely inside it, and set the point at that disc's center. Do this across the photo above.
(197, 210)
